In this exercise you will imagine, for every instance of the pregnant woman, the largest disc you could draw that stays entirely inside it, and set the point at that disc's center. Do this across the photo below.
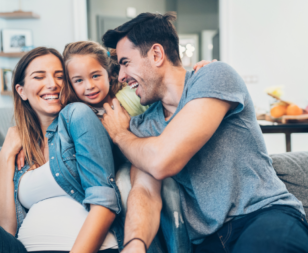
(65, 198)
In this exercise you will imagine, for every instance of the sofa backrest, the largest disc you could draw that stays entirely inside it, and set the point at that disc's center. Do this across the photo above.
(292, 169)
(6, 121)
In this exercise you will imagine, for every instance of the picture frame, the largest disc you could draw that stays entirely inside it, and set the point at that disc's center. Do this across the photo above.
(189, 50)
(6, 81)
(1, 49)
(16, 40)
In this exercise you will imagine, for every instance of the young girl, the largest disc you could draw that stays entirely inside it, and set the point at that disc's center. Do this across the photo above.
(92, 73)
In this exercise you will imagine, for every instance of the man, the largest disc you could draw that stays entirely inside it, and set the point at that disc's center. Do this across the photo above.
(201, 130)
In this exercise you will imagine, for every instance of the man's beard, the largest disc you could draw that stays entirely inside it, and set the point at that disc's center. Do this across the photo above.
(154, 91)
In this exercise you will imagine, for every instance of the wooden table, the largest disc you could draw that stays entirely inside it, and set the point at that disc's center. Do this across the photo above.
(287, 129)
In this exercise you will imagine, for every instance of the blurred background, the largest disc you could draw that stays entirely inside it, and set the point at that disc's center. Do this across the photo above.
(265, 41)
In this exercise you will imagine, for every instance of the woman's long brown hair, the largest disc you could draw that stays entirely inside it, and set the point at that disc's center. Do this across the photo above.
(26, 119)
(94, 49)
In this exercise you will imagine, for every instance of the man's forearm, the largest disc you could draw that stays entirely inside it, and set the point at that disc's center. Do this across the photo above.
(7, 205)
(141, 152)
(142, 218)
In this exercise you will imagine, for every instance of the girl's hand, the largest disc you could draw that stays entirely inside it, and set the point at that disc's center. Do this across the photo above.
(12, 143)
(201, 64)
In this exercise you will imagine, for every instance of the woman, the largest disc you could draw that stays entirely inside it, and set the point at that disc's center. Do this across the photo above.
(68, 170)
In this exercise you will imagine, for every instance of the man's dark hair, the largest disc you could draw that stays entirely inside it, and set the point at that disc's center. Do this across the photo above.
(145, 30)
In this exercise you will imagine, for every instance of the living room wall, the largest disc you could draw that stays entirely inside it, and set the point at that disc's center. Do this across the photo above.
(55, 28)
(268, 39)
(117, 8)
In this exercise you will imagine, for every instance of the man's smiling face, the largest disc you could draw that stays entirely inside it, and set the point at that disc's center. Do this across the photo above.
(139, 72)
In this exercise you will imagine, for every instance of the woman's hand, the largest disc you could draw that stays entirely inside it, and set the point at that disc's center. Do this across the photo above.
(12, 144)
(201, 64)
(20, 159)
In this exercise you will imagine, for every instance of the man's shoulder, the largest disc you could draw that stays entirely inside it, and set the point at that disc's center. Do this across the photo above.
(213, 70)
(217, 79)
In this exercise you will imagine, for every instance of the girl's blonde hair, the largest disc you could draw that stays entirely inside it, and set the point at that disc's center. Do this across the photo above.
(26, 119)
(68, 94)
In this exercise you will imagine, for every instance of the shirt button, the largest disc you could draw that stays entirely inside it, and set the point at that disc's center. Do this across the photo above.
(52, 157)
(72, 191)
(74, 155)
(111, 179)
(57, 174)
(51, 144)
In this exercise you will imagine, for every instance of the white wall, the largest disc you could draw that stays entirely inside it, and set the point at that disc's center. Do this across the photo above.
(269, 39)
(117, 8)
(54, 29)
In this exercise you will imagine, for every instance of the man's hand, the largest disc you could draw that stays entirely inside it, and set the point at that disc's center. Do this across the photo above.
(20, 159)
(135, 246)
(115, 120)
(201, 64)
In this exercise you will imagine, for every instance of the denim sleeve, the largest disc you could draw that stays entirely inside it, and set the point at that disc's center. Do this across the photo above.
(219, 80)
(95, 164)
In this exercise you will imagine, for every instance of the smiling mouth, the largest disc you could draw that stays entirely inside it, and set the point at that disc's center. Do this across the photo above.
(50, 96)
(92, 94)
(133, 84)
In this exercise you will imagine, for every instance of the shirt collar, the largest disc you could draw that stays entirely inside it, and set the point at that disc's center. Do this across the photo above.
(99, 111)
(53, 126)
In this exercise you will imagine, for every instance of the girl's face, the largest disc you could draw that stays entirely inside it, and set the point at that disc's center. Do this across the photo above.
(89, 79)
(43, 82)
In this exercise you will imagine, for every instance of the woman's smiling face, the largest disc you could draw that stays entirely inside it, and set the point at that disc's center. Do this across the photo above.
(89, 79)
(42, 85)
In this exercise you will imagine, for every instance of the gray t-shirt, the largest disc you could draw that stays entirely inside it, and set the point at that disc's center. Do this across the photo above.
(232, 174)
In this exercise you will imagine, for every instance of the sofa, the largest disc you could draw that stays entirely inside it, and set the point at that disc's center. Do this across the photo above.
(292, 169)
(6, 120)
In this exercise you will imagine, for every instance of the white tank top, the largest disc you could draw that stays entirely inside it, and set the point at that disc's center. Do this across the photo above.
(54, 218)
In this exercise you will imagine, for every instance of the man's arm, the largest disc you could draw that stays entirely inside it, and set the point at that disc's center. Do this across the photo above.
(166, 155)
(143, 211)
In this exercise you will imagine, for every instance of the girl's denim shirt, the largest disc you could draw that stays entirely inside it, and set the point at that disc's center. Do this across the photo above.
(81, 162)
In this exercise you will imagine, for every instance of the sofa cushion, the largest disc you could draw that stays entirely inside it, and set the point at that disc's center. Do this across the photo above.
(6, 121)
(292, 169)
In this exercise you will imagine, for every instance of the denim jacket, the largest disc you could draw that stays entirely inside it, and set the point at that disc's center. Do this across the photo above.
(81, 162)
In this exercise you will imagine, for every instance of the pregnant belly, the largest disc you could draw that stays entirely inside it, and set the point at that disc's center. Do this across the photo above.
(53, 224)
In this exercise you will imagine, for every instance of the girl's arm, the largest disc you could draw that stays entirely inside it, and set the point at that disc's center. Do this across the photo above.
(11, 147)
(93, 153)
(94, 230)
